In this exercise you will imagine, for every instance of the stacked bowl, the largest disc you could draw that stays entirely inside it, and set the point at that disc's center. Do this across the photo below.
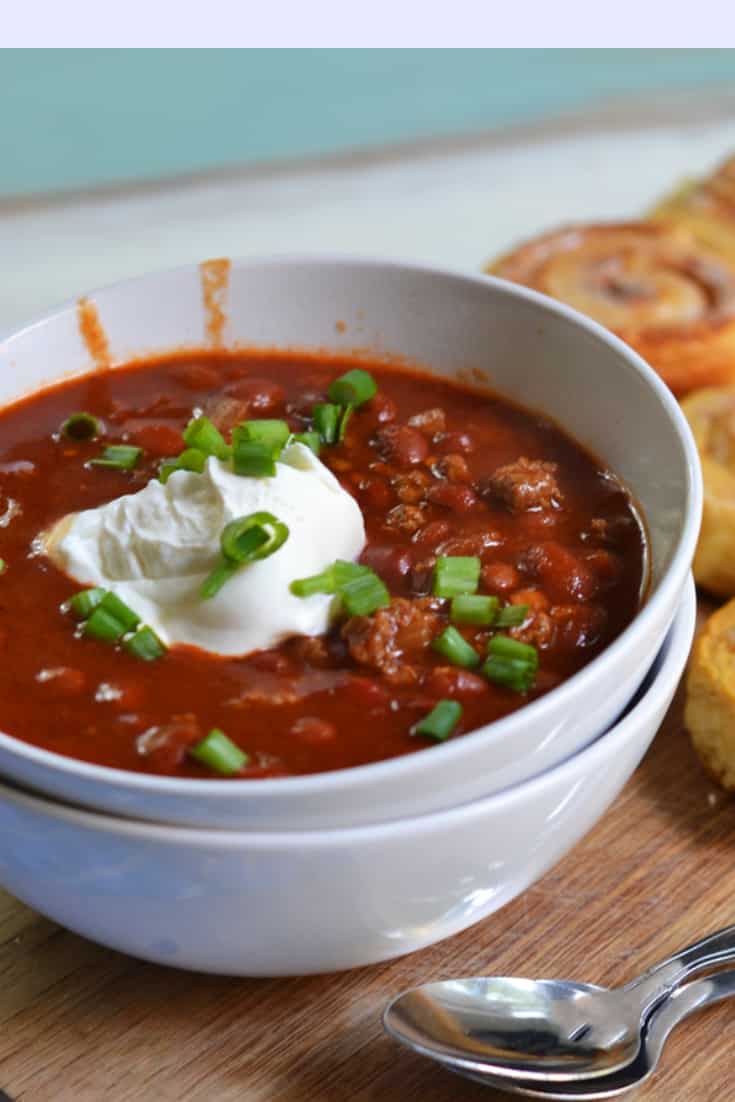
(334, 870)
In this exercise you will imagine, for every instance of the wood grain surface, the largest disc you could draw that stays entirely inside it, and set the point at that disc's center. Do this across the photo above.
(80, 1023)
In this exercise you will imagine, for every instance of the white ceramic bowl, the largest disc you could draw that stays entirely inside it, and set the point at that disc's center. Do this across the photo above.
(521, 344)
(262, 904)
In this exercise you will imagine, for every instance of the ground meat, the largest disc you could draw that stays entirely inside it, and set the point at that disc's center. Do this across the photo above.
(405, 518)
(312, 649)
(411, 487)
(454, 468)
(382, 408)
(525, 484)
(429, 421)
(386, 640)
(433, 534)
(402, 445)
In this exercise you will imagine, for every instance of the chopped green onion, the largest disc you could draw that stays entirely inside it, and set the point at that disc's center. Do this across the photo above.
(214, 581)
(120, 457)
(353, 388)
(456, 575)
(255, 536)
(81, 604)
(502, 646)
(363, 594)
(219, 753)
(346, 571)
(272, 433)
(342, 429)
(317, 583)
(101, 624)
(326, 421)
(203, 434)
(191, 459)
(249, 457)
(244, 540)
(145, 644)
(455, 648)
(112, 604)
(511, 616)
(441, 720)
(3, 566)
(81, 426)
(474, 609)
(512, 673)
(311, 440)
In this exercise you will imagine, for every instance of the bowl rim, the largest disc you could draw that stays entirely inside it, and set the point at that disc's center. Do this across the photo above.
(315, 784)
(661, 681)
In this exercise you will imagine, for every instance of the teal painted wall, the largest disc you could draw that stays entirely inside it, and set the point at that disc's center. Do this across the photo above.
(71, 118)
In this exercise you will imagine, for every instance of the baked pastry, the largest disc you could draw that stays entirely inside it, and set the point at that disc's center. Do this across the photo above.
(654, 286)
(706, 208)
(709, 713)
(711, 416)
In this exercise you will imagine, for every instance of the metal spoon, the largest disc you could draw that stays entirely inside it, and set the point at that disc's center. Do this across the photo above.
(550, 1030)
(677, 1006)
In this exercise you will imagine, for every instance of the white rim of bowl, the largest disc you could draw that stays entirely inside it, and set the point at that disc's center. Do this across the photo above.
(673, 654)
(314, 784)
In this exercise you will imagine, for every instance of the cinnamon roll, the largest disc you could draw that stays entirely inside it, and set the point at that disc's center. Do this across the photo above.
(652, 285)
(706, 208)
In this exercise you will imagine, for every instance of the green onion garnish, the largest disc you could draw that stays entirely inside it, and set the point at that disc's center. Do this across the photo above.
(474, 609)
(310, 440)
(364, 594)
(344, 419)
(326, 421)
(191, 459)
(112, 604)
(511, 616)
(330, 580)
(81, 426)
(353, 388)
(249, 457)
(441, 720)
(219, 753)
(505, 647)
(244, 540)
(101, 624)
(214, 581)
(511, 663)
(3, 566)
(455, 648)
(203, 435)
(145, 644)
(273, 433)
(509, 672)
(120, 457)
(455, 575)
(81, 604)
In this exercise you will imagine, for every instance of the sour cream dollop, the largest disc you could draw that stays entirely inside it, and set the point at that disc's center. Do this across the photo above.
(155, 547)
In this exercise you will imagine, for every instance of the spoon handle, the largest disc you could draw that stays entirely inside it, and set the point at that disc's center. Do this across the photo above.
(660, 980)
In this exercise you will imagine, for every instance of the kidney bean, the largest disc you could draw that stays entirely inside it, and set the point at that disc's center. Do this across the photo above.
(455, 442)
(403, 445)
(454, 496)
(432, 534)
(561, 571)
(390, 563)
(198, 376)
(453, 682)
(374, 491)
(157, 439)
(499, 577)
(383, 408)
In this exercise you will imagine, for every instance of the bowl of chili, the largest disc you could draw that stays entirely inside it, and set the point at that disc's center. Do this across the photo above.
(530, 497)
(291, 903)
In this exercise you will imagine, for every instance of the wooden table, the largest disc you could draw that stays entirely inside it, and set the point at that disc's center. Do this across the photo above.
(79, 1022)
